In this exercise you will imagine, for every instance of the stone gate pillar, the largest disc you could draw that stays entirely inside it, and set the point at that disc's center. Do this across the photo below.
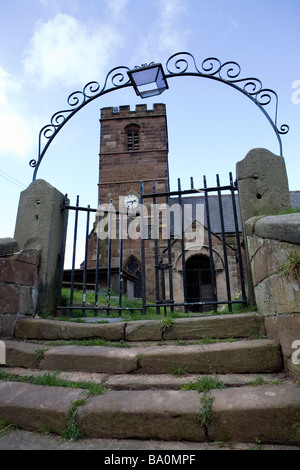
(263, 190)
(39, 225)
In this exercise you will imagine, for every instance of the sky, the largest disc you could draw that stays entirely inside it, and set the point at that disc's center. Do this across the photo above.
(51, 48)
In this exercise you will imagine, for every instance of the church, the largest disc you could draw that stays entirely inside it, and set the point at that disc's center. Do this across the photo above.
(200, 257)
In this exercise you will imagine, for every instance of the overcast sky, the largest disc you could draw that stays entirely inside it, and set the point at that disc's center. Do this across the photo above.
(51, 48)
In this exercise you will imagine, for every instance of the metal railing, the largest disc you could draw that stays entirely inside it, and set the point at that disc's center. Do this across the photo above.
(161, 263)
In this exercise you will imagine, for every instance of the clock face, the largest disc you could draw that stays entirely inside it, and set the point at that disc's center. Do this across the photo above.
(131, 201)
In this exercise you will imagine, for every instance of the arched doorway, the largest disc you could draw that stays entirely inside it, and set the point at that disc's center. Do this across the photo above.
(133, 266)
(199, 282)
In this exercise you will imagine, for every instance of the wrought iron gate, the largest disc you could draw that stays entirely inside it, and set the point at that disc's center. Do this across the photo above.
(190, 252)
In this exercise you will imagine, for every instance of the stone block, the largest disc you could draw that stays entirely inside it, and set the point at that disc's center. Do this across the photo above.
(101, 359)
(284, 228)
(7, 325)
(20, 354)
(35, 407)
(285, 329)
(16, 272)
(165, 415)
(270, 259)
(9, 298)
(8, 246)
(37, 328)
(28, 256)
(270, 413)
(144, 331)
(262, 191)
(224, 358)
(39, 226)
(293, 369)
(222, 326)
(277, 295)
(28, 300)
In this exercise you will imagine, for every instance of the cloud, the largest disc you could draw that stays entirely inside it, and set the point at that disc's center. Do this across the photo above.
(168, 33)
(15, 135)
(66, 52)
(14, 138)
(117, 7)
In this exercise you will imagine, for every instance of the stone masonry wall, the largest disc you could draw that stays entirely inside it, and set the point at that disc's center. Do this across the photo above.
(18, 285)
(274, 252)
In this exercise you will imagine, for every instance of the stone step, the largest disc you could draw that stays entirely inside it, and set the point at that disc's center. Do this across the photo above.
(247, 356)
(266, 413)
(146, 381)
(210, 326)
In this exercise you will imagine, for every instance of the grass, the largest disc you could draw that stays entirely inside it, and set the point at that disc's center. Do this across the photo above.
(72, 431)
(5, 428)
(39, 353)
(261, 381)
(53, 380)
(89, 342)
(288, 210)
(292, 266)
(133, 312)
(135, 305)
(206, 413)
(167, 323)
(204, 384)
(178, 370)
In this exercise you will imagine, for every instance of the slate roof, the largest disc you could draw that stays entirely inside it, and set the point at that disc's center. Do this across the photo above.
(295, 198)
(214, 210)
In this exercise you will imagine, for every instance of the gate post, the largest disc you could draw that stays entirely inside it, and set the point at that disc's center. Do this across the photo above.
(39, 225)
(263, 190)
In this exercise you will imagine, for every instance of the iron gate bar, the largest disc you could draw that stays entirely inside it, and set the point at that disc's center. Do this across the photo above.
(188, 191)
(120, 259)
(231, 187)
(211, 257)
(224, 243)
(62, 247)
(200, 303)
(237, 236)
(182, 248)
(160, 267)
(109, 258)
(170, 264)
(83, 307)
(97, 256)
(143, 267)
(156, 236)
(85, 258)
(74, 254)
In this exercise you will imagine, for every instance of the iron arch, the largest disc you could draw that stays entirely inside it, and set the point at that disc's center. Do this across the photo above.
(178, 65)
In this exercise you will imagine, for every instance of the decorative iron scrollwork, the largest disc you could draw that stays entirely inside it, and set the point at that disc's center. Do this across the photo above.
(179, 64)
(184, 63)
(115, 79)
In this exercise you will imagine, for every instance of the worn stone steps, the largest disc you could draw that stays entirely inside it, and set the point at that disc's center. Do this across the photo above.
(212, 326)
(148, 382)
(143, 400)
(267, 413)
(250, 356)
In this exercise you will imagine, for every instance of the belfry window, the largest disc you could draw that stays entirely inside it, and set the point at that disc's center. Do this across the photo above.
(133, 139)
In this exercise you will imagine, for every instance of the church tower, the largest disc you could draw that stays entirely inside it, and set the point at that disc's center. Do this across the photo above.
(133, 149)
